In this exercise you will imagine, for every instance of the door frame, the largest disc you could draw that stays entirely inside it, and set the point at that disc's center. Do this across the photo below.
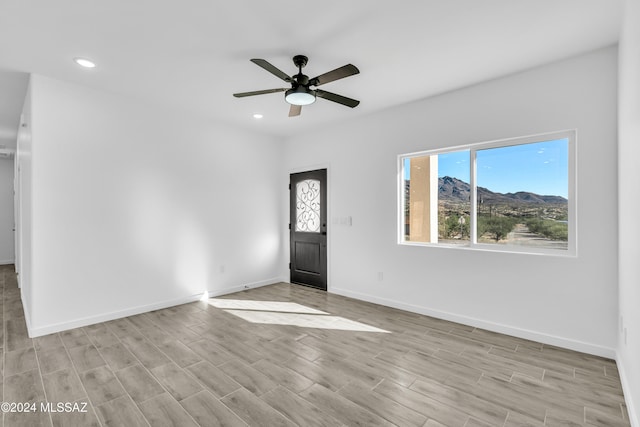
(330, 224)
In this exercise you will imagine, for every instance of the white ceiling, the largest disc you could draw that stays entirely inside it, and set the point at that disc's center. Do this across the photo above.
(194, 54)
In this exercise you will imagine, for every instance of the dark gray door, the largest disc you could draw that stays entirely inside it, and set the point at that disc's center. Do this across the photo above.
(308, 228)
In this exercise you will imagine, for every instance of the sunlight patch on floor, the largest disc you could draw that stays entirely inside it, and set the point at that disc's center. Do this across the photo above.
(288, 313)
(278, 306)
(304, 320)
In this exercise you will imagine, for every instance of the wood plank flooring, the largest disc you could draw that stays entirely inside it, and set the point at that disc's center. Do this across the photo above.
(286, 355)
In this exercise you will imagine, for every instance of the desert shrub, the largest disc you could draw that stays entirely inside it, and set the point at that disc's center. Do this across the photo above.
(496, 226)
(452, 227)
(549, 228)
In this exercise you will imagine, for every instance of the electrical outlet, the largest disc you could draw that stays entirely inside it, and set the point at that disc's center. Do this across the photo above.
(380, 276)
(221, 268)
(625, 336)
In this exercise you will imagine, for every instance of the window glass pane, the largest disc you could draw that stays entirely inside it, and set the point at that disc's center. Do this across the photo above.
(454, 198)
(421, 221)
(437, 198)
(522, 195)
(308, 206)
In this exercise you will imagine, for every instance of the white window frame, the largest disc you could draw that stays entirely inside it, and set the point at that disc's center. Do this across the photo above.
(571, 251)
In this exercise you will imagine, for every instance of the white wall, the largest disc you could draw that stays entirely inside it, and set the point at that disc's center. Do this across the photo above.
(7, 250)
(135, 207)
(629, 206)
(561, 300)
(24, 209)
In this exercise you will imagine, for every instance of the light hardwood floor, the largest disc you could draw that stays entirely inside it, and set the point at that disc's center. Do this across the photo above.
(285, 355)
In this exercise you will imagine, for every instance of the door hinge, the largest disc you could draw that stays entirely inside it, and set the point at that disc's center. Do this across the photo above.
(289, 266)
(289, 186)
(289, 226)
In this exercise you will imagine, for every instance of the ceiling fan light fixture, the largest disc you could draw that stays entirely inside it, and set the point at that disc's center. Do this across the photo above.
(300, 96)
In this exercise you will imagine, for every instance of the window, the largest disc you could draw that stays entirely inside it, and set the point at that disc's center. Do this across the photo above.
(511, 195)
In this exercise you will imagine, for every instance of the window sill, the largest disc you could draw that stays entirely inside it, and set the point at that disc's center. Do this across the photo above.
(511, 249)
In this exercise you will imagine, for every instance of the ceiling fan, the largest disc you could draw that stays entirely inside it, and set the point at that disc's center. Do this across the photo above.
(301, 91)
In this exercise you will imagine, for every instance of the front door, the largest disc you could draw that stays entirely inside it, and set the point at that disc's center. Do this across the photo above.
(308, 225)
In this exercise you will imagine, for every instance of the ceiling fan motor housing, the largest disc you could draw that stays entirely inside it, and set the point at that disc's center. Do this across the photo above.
(300, 94)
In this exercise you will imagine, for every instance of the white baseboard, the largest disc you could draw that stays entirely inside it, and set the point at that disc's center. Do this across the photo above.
(244, 287)
(86, 321)
(27, 313)
(483, 324)
(7, 261)
(632, 409)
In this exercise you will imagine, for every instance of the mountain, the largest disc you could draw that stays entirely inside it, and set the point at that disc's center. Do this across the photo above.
(455, 190)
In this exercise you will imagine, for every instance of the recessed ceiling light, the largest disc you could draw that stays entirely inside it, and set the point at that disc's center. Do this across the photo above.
(257, 116)
(84, 62)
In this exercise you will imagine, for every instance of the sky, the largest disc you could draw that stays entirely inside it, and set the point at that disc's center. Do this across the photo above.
(540, 168)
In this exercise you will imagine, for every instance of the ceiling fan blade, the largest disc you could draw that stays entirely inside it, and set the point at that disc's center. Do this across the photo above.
(258, 92)
(272, 69)
(295, 110)
(338, 73)
(337, 98)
